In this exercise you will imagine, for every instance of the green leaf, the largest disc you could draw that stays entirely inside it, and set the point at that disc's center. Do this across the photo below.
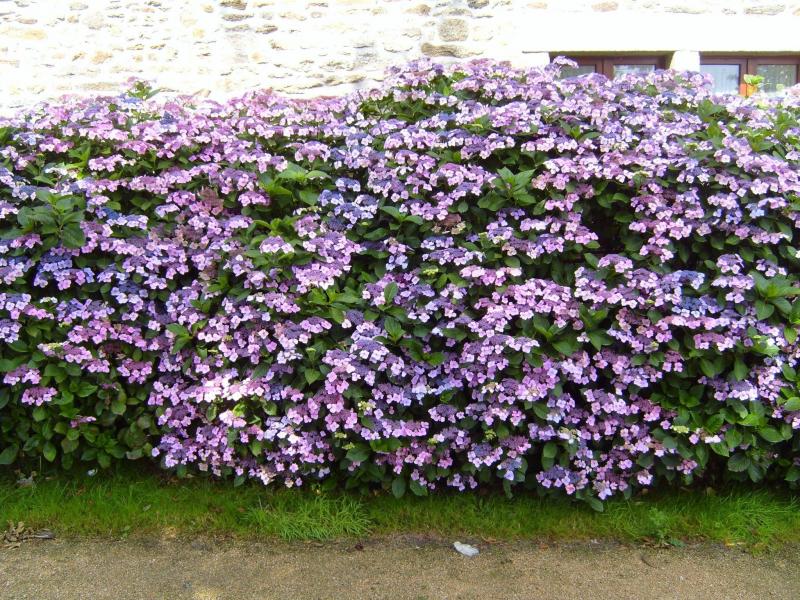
(179, 330)
(311, 375)
(435, 358)
(733, 437)
(49, 451)
(398, 487)
(308, 197)
(764, 310)
(255, 448)
(541, 410)
(7, 365)
(567, 347)
(336, 314)
(702, 455)
(393, 328)
(492, 202)
(292, 172)
(68, 445)
(738, 463)
(591, 259)
(394, 212)
(771, 434)
(720, 448)
(385, 444)
(550, 449)
(670, 442)
(456, 334)
(600, 339)
(792, 404)
(72, 236)
(389, 292)
(740, 370)
(595, 503)
(9, 454)
(358, 454)
(709, 368)
(783, 305)
(417, 488)
(85, 389)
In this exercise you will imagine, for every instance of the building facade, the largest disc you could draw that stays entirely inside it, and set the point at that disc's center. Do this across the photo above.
(322, 47)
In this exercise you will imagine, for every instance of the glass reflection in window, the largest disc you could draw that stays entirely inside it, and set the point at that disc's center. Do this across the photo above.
(633, 69)
(726, 78)
(777, 77)
(576, 71)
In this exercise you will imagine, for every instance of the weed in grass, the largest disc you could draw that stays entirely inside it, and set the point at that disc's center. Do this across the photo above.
(661, 527)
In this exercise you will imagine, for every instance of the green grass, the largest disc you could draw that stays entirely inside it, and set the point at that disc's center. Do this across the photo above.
(143, 503)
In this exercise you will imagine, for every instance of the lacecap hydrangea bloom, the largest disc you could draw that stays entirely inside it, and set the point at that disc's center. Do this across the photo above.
(472, 275)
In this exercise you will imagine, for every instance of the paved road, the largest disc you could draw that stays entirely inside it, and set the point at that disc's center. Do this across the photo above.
(406, 568)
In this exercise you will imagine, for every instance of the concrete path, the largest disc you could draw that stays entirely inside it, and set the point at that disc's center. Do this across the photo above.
(396, 569)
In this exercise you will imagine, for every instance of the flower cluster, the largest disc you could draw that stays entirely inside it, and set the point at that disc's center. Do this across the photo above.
(471, 274)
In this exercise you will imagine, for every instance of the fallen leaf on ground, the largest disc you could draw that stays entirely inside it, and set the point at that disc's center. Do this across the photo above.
(17, 533)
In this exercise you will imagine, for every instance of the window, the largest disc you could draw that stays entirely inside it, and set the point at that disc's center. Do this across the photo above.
(728, 72)
(777, 76)
(726, 77)
(576, 71)
(614, 66)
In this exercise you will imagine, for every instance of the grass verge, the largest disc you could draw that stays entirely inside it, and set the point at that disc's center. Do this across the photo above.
(142, 503)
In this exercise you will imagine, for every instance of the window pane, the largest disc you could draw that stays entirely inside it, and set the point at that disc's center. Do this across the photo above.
(726, 78)
(633, 69)
(579, 70)
(777, 77)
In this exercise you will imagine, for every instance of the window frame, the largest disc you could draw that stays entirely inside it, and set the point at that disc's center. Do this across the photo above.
(605, 63)
(748, 65)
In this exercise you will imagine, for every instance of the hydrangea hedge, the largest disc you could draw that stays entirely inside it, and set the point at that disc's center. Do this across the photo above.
(473, 274)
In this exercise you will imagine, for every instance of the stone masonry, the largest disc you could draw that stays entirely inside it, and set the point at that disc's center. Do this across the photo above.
(309, 47)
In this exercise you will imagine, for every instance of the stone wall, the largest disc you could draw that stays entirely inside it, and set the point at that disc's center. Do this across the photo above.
(310, 47)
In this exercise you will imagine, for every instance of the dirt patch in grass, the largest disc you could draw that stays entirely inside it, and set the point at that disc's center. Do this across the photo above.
(408, 567)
